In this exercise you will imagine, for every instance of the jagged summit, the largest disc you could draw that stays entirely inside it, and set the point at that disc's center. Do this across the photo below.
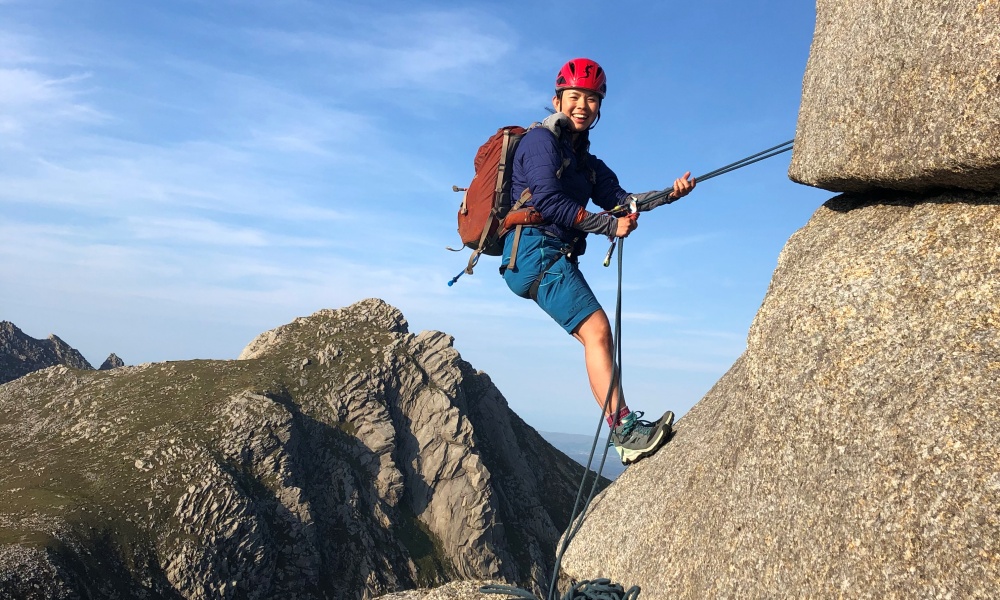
(21, 354)
(342, 457)
(372, 311)
(111, 362)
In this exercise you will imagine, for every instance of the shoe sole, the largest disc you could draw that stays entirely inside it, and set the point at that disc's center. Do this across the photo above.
(630, 456)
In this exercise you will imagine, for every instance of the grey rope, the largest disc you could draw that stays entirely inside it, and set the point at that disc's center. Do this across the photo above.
(597, 589)
(743, 162)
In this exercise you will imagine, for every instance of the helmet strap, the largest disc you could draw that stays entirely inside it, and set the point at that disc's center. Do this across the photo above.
(594, 124)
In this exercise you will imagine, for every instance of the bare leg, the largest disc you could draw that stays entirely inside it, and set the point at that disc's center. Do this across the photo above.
(594, 333)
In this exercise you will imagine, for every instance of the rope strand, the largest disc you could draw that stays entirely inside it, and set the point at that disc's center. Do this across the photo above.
(743, 162)
(784, 147)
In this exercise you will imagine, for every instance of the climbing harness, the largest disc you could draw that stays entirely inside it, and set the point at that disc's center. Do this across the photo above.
(604, 589)
(566, 251)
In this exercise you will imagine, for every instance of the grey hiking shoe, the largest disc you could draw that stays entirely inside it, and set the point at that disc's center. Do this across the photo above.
(635, 439)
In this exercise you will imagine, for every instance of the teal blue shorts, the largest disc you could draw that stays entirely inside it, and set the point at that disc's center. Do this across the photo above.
(563, 293)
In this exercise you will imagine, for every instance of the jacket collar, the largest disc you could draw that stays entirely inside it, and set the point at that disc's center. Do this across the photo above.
(559, 122)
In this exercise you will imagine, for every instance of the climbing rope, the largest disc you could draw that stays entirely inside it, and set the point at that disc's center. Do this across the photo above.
(604, 589)
(597, 589)
(632, 209)
(743, 162)
(576, 520)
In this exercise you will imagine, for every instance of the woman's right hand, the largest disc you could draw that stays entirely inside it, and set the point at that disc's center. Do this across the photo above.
(626, 225)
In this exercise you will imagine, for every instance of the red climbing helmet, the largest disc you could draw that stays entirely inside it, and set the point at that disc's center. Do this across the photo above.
(582, 74)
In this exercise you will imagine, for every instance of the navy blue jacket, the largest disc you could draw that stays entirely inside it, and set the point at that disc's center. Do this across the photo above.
(561, 181)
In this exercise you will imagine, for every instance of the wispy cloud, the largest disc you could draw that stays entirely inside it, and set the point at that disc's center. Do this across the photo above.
(196, 231)
(29, 98)
(411, 51)
(447, 53)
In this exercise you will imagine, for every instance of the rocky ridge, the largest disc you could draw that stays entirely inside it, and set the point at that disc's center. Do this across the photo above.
(21, 354)
(341, 457)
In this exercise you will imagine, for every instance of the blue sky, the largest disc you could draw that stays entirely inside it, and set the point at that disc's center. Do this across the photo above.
(177, 177)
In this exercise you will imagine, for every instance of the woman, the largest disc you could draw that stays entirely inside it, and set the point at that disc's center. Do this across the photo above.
(553, 163)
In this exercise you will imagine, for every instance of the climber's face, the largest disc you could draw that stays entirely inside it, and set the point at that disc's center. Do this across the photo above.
(580, 106)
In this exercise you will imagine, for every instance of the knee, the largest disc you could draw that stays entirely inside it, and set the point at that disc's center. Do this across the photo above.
(596, 330)
(603, 337)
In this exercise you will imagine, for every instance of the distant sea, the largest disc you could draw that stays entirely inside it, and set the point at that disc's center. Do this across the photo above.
(577, 447)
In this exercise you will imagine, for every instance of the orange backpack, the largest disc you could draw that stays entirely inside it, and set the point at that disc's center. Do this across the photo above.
(487, 200)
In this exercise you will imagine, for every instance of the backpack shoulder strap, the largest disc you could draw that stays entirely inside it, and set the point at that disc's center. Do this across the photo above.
(502, 168)
(525, 196)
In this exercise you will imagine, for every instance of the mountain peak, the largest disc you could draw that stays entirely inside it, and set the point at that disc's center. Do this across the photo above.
(341, 457)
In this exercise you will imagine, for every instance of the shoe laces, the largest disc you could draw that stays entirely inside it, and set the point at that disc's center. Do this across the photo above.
(632, 422)
(639, 423)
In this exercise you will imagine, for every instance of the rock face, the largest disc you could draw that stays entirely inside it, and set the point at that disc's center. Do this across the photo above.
(901, 94)
(342, 457)
(852, 450)
(21, 354)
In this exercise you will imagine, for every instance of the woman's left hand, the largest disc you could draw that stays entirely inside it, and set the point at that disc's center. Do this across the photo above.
(683, 186)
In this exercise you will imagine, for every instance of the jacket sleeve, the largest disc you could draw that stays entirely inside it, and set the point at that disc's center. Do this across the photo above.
(608, 193)
(640, 198)
(541, 163)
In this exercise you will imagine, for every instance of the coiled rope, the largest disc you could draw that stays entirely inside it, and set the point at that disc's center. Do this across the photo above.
(605, 589)
(596, 589)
